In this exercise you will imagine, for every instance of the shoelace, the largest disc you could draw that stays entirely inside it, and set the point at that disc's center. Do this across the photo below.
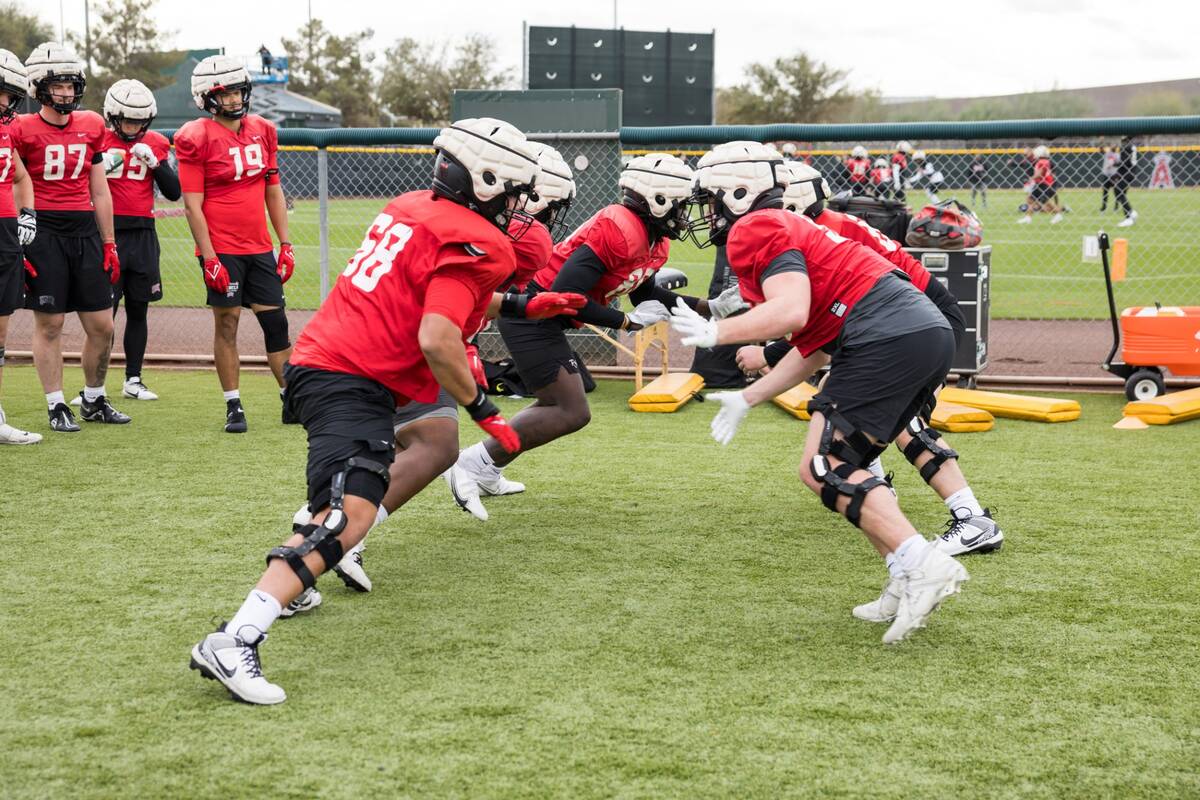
(251, 661)
(952, 528)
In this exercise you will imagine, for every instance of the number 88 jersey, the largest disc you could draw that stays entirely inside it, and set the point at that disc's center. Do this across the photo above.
(232, 170)
(59, 160)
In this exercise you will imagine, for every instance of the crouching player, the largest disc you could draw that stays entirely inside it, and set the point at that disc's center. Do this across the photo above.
(890, 348)
(391, 332)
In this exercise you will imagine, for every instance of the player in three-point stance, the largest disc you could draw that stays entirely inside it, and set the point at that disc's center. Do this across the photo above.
(890, 349)
(228, 168)
(73, 259)
(391, 332)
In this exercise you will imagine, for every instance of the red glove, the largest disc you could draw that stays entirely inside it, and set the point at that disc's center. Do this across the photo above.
(216, 277)
(487, 416)
(286, 263)
(476, 365)
(112, 264)
(32, 272)
(554, 304)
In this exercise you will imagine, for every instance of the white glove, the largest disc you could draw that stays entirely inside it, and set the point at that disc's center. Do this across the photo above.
(727, 303)
(734, 409)
(142, 152)
(647, 313)
(695, 329)
(26, 226)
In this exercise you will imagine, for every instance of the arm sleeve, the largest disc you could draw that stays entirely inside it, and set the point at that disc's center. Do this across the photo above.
(581, 271)
(649, 291)
(787, 261)
(775, 351)
(167, 181)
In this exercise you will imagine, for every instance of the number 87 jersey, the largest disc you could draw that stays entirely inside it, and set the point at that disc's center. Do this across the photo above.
(59, 160)
(232, 170)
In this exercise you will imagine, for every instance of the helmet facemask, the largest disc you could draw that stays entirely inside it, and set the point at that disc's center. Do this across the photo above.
(506, 210)
(717, 217)
(214, 106)
(43, 94)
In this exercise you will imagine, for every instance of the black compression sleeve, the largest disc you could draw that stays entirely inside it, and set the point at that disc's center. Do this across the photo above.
(583, 270)
(167, 181)
(775, 351)
(649, 291)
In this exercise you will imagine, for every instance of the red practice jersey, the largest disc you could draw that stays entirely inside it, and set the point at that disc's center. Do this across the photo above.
(881, 175)
(368, 324)
(859, 168)
(8, 204)
(233, 171)
(1042, 173)
(532, 252)
(132, 183)
(855, 229)
(619, 239)
(59, 160)
(900, 160)
(840, 271)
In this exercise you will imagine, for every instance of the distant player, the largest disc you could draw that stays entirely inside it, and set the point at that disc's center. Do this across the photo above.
(900, 168)
(835, 300)
(391, 332)
(858, 170)
(139, 159)
(18, 219)
(977, 177)
(1127, 158)
(924, 172)
(1043, 194)
(229, 174)
(881, 178)
(73, 260)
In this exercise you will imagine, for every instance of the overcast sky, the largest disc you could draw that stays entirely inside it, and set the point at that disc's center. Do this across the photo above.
(903, 49)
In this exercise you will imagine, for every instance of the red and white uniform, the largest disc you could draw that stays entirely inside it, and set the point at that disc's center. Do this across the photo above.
(532, 252)
(8, 146)
(368, 324)
(619, 239)
(1042, 172)
(59, 160)
(132, 183)
(881, 175)
(233, 171)
(855, 229)
(858, 168)
(840, 271)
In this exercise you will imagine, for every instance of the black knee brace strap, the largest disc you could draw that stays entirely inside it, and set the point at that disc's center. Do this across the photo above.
(274, 324)
(925, 440)
(323, 538)
(857, 451)
(837, 482)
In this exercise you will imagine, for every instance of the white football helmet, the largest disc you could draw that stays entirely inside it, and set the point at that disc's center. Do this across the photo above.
(918, 155)
(858, 151)
(14, 81)
(555, 190)
(903, 147)
(216, 74)
(788, 149)
(734, 179)
(658, 188)
(129, 100)
(807, 192)
(1041, 151)
(881, 162)
(486, 165)
(51, 62)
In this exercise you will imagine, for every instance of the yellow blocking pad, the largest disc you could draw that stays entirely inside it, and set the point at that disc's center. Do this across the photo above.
(1014, 406)
(795, 400)
(1171, 407)
(667, 392)
(953, 418)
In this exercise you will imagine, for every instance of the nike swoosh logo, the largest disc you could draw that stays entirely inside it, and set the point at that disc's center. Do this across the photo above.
(983, 537)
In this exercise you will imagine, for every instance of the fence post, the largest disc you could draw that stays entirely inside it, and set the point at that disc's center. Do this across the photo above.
(323, 216)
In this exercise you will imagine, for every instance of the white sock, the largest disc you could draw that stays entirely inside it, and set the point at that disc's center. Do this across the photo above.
(254, 617)
(963, 504)
(93, 393)
(476, 459)
(54, 398)
(911, 551)
(876, 469)
(380, 516)
(232, 394)
(893, 566)
(133, 378)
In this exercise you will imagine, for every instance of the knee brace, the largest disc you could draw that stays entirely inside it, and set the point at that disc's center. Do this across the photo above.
(323, 538)
(925, 440)
(856, 449)
(274, 324)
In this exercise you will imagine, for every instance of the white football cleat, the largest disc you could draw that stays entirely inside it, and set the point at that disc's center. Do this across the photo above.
(970, 534)
(77, 400)
(1025, 220)
(465, 491)
(234, 662)
(350, 569)
(499, 485)
(308, 600)
(937, 577)
(1128, 221)
(1057, 218)
(882, 609)
(11, 435)
(137, 390)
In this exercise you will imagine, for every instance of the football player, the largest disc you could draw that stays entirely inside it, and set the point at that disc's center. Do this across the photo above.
(391, 332)
(881, 178)
(18, 220)
(1043, 195)
(925, 171)
(138, 157)
(836, 300)
(899, 167)
(858, 169)
(227, 167)
(73, 261)
(971, 528)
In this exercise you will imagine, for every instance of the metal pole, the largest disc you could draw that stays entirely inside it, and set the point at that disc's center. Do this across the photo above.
(524, 54)
(87, 33)
(323, 216)
(614, 15)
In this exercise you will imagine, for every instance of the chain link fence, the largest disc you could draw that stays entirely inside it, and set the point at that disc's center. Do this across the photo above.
(1048, 302)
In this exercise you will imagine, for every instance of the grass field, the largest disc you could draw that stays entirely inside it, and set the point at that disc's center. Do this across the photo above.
(656, 617)
(1037, 271)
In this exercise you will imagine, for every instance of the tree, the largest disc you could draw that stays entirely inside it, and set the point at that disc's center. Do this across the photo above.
(21, 31)
(126, 43)
(792, 89)
(419, 79)
(335, 70)
(1159, 104)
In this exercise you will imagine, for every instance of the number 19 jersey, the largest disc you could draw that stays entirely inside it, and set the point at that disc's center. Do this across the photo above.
(232, 169)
